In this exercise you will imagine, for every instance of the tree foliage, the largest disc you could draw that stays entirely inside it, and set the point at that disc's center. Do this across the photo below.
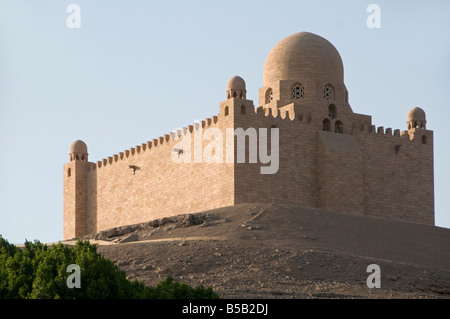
(38, 271)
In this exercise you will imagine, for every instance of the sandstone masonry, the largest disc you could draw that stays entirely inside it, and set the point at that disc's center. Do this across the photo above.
(329, 156)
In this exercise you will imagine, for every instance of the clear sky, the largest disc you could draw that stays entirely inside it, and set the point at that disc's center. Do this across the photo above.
(136, 70)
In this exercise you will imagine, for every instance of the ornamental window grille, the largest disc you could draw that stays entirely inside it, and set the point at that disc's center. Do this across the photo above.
(297, 91)
(269, 96)
(328, 92)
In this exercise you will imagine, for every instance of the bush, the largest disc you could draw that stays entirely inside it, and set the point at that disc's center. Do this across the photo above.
(40, 272)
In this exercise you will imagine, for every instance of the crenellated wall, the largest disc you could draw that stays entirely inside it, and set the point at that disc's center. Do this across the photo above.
(398, 174)
(158, 187)
(328, 156)
(364, 170)
(323, 155)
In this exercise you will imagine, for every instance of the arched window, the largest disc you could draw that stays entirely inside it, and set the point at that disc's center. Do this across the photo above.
(226, 110)
(297, 91)
(424, 139)
(69, 172)
(326, 125)
(332, 111)
(338, 127)
(328, 92)
(269, 95)
(242, 109)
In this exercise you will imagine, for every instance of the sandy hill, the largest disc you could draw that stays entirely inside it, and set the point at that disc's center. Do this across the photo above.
(280, 251)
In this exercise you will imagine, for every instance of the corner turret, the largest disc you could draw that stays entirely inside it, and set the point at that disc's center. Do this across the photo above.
(416, 119)
(75, 191)
(236, 88)
(78, 151)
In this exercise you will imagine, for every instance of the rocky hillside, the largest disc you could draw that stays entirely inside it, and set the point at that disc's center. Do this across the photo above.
(279, 251)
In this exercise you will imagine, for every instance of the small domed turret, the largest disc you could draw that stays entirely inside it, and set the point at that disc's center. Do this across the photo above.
(236, 88)
(78, 151)
(416, 118)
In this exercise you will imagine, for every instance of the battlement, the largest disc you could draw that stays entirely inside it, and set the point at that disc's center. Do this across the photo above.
(174, 136)
(287, 114)
(166, 139)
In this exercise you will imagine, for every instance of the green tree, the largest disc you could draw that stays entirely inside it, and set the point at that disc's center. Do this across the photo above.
(38, 271)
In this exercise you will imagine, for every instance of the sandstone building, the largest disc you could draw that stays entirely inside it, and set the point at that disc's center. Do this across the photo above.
(329, 156)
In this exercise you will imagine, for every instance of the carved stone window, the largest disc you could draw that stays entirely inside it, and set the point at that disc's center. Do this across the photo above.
(269, 96)
(328, 92)
(297, 91)
(326, 125)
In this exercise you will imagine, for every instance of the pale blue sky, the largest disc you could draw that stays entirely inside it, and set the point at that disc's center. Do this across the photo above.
(138, 69)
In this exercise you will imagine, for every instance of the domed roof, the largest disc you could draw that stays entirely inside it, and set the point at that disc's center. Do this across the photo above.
(416, 114)
(78, 147)
(236, 83)
(303, 55)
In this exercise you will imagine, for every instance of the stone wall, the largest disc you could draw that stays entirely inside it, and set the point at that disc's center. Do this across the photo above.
(362, 171)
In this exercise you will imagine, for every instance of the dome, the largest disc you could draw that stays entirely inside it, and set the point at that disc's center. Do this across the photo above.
(78, 147)
(236, 83)
(416, 114)
(302, 56)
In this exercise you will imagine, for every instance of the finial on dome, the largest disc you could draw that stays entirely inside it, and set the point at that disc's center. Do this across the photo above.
(236, 88)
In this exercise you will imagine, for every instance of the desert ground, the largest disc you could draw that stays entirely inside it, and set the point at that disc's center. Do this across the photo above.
(280, 251)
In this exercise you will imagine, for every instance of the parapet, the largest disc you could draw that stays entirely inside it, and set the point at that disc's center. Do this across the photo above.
(173, 136)
(289, 113)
